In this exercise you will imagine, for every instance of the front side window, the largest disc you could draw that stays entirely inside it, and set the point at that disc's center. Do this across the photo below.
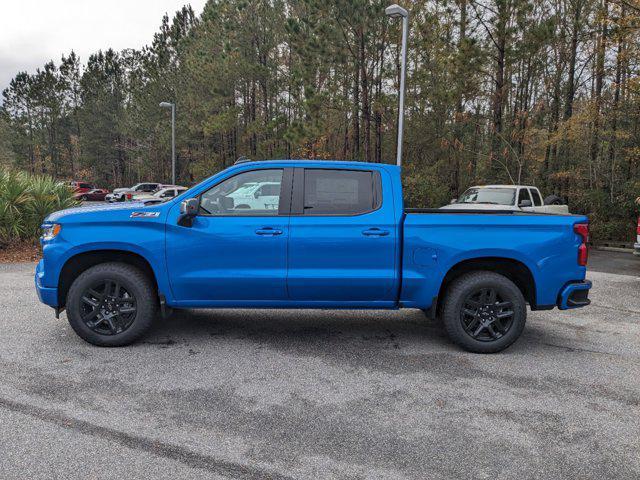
(338, 192)
(250, 193)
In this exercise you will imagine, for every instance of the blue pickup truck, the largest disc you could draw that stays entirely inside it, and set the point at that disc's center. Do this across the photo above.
(309, 234)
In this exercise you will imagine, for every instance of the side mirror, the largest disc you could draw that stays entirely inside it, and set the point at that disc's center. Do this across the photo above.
(453, 201)
(525, 204)
(188, 210)
(190, 207)
(256, 195)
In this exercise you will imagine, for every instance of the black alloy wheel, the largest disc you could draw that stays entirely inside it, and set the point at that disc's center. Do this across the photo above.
(485, 316)
(112, 304)
(484, 312)
(108, 308)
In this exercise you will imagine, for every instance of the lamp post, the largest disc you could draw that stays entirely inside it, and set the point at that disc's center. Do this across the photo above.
(172, 106)
(396, 11)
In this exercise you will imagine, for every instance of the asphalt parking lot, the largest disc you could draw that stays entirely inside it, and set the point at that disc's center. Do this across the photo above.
(316, 394)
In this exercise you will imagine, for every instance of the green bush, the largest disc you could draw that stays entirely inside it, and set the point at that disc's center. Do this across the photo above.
(25, 200)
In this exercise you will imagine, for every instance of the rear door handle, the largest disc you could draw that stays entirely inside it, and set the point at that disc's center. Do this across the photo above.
(375, 232)
(268, 232)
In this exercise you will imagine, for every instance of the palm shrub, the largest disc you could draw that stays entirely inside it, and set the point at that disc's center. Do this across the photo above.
(25, 200)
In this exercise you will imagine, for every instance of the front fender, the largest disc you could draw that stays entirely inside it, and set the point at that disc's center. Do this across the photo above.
(57, 255)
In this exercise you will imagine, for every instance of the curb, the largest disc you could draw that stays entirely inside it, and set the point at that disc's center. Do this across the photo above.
(613, 249)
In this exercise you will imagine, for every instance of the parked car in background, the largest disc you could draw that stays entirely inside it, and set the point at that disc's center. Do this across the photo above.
(96, 195)
(507, 197)
(162, 195)
(256, 195)
(119, 194)
(80, 187)
(636, 247)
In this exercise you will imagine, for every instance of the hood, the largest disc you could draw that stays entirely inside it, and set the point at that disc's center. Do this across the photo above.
(121, 190)
(96, 211)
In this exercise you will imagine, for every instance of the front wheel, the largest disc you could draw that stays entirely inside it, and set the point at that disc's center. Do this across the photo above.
(111, 304)
(484, 312)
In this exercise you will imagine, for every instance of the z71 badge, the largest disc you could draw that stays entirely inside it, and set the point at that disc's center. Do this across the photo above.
(144, 214)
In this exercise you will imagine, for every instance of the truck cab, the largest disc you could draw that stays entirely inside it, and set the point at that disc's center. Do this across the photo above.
(309, 234)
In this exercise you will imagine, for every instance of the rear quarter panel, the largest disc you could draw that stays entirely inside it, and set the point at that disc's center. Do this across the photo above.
(434, 243)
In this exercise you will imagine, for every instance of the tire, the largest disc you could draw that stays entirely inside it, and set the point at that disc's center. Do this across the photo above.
(469, 305)
(83, 198)
(553, 200)
(121, 327)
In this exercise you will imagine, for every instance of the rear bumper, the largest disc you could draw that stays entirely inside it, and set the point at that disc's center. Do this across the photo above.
(574, 295)
(636, 249)
(47, 295)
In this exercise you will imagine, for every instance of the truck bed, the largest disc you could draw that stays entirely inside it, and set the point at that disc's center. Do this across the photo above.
(435, 241)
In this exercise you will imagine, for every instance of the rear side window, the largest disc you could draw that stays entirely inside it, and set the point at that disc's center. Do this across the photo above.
(537, 200)
(339, 192)
(523, 195)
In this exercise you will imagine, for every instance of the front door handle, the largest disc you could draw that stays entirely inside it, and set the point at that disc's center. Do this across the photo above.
(375, 232)
(268, 232)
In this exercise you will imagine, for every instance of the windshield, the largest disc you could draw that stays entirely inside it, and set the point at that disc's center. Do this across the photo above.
(493, 196)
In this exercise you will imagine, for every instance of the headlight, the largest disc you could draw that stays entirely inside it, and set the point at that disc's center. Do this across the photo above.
(49, 232)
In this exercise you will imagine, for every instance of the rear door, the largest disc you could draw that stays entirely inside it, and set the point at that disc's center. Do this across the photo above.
(343, 236)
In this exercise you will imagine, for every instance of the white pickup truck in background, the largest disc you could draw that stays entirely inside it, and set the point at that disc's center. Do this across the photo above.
(507, 197)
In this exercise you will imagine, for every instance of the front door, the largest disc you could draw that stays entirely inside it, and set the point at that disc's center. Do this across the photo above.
(342, 245)
(235, 252)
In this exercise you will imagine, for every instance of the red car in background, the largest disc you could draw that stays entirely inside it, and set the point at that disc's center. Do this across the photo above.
(81, 187)
(95, 194)
(636, 246)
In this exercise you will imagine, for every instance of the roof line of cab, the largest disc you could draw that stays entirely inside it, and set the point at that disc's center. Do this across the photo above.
(294, 162)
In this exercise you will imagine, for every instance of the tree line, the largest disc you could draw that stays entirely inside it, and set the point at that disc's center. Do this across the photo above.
(544, 92)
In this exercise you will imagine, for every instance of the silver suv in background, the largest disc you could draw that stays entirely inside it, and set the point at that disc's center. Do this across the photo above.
(120, 194)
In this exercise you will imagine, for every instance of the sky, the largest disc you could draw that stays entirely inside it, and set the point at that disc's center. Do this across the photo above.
(32, 32)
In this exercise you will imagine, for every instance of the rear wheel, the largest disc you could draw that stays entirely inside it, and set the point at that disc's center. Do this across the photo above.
(484, 312)
(111, 304)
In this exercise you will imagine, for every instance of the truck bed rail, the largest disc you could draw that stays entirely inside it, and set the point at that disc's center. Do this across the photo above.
(461, 210)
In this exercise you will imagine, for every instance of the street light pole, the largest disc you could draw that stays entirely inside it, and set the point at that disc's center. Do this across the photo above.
(173, 138)
(396, 11)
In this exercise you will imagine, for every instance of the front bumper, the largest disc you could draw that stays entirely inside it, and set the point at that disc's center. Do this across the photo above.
(47, 295)
(574, 295)
(636, 249)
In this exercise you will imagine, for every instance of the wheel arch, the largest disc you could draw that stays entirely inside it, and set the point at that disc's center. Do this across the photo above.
(81, 262)
(514, 270)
